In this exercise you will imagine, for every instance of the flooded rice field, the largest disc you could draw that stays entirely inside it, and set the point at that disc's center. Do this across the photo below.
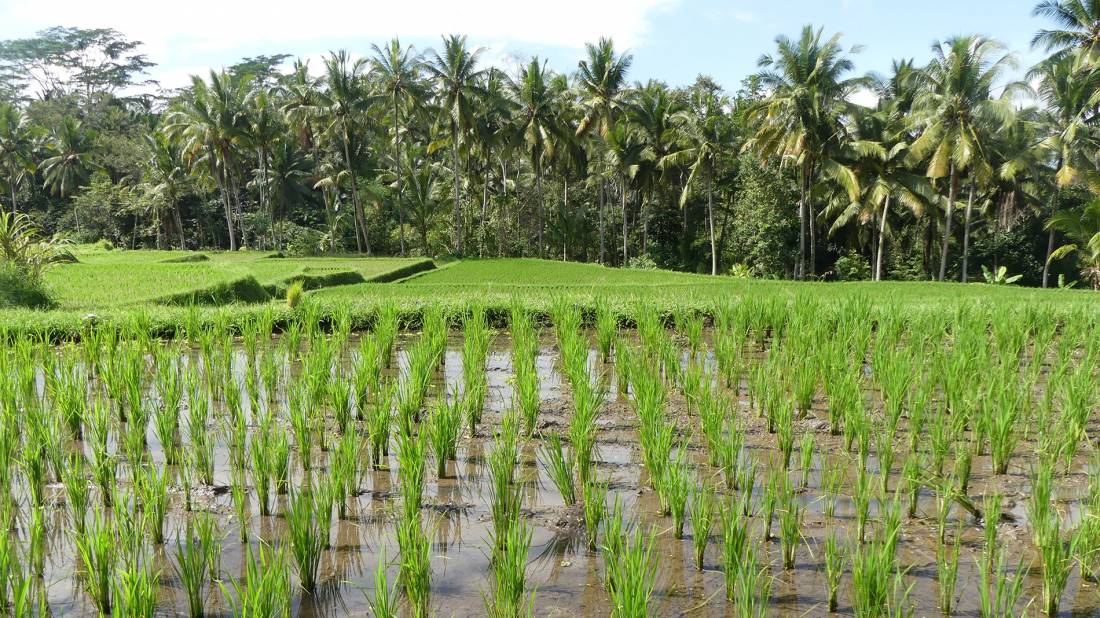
(702, 470)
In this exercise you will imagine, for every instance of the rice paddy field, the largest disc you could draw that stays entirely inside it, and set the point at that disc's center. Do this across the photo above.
(514, 438)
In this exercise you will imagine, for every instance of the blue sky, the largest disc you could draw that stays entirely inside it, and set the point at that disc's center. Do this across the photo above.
(671, 40)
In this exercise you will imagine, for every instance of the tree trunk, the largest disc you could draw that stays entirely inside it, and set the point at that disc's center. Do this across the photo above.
(484, 208)
(11, 184)
(710, 225)
(178, 218)
(397, 173)
(360, 219)
(603, 188)
(565, 209)
(541, 206)
(625, 253)
(1050, 241)
(966, 233)
(952, 194)
(881, 239)
(646, 198)
(457, 186)
(220, 181)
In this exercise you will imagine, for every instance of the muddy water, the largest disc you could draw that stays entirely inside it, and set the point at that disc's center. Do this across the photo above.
(568, 579)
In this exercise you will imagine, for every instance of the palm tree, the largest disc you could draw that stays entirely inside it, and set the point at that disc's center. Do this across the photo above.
(704, 132)
(625, 153)
(802, 119)
(68, 168)
(396, 74)
(209, 122)
(456, 76)
(17, 141)
(167, 176)
(1082, 226)
(1066, 87)
(602, 82)
(655, 112)
(538, 122)
(955, 111)
(1077, 26)
(263, 130)
(342, 102)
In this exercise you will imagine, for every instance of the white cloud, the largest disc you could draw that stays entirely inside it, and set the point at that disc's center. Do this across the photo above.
(864, 97)
(229, 29)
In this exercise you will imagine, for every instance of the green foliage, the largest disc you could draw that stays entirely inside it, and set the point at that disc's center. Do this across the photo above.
(999, 276)
(852, 267)
(763, 231)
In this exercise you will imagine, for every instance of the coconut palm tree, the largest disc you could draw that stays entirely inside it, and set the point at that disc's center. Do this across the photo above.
(655, 112)
(537, 121)
(1066, 86)
(802, 119)
(209, 123)
(954, 113)
(601, 78)
(1077, 26)
(263, 130)
(395, 71)
(342, 102)
(17, 143)
(69, 167)
(167, 176)
(624, 154)
(704, 131)
(457, 76)
(1082, 227)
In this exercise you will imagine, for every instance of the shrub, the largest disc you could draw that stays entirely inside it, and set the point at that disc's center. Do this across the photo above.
(641, 262)
(16, 290)
(852, 267)
(294, 293)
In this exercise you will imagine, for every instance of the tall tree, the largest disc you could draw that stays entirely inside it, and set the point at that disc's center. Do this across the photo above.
(69, 166)
(456, 75)
(396, 73)
(955, 110)
(167, 176)
(1077, 27)
(210, 123)
(602, 81)
(342, 103)
(802, 119)
(537, 121)
(17, 142)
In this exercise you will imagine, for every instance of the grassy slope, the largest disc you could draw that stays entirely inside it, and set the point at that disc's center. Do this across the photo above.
(539, 282)
(106, 279)
(115, 294)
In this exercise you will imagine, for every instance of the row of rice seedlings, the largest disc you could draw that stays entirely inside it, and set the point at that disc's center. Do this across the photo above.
(524, 352)
(631, 566)
(508, 596)
(475, 350)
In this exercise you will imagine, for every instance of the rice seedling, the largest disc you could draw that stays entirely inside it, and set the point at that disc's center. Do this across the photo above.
(410, 460)
(791, 513)
(98, 554)
(634, 569)
(135, 591)
(911, 474)
(835, 559)
(191, 566)
(702, 520)
(991, 516)
(607, 327)
(444, 425)
(862, 502)
(153, 488)
(508, 574)
(806, 457)
(947, 561)
(873, 566)
(415, 568)
(526, 394)
(1056, 558)
(834, 473)
(238, 492)
(735, 535)
(379, 425)
(769, 501)
(753, 587)
(998, 590)
(76, 490)
(264, 589)
(595, 508)
(307, 529)
(474, 352)
(560, 469)
(383, 604)
(675, 487)
(504, 495)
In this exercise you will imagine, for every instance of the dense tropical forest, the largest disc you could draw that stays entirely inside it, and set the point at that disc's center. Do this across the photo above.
(968, 166)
